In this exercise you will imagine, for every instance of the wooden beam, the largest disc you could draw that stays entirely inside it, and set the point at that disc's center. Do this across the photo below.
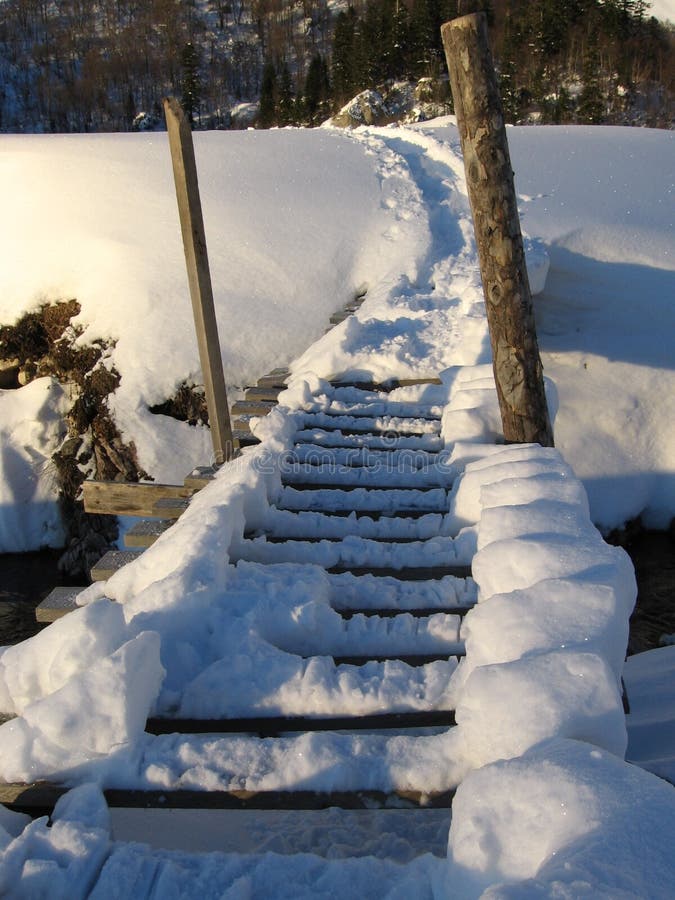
(119, 498)
(199, 278)
(515, 353)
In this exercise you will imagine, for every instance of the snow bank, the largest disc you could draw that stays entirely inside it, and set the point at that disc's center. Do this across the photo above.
(565, 820)
(31, 429)
(546, 643)
(52, 736)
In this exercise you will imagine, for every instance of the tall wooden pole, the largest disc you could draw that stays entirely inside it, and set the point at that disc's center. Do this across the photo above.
(515, 353)
(199, 278)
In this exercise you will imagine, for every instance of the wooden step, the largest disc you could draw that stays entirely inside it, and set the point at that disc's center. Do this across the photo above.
(420, 613)
(145, 532)
(386, 385)
(252, 407)
(255, 394)
(399, 501)
(406, 459)
(242, 435)
(414, 660)
(119, 498)
(369, 426)
(199, 477)
(412, 573)
(271, 726)
(375, 409)
(287, 481)
(168, 508)
(374, 514)
(59, 602)
(111, 562)
(275, 378)
(39, 799)
(314, 539)
(333, 438)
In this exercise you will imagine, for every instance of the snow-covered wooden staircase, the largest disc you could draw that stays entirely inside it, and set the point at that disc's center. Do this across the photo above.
(363, 502)
(364, 495)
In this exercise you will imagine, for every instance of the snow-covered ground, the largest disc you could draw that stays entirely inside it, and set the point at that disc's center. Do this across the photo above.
(297, 222)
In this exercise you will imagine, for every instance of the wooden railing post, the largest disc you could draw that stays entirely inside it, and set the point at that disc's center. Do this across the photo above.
(515, 353)
(199, 278)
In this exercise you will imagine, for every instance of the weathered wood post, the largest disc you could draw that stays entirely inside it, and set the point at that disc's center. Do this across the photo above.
(199, 278)
(515, 353)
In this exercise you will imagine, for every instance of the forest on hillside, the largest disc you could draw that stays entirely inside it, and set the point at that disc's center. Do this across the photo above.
(104, 65)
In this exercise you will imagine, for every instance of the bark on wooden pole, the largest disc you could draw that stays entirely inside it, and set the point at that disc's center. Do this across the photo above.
(515, 353)
(199, 278)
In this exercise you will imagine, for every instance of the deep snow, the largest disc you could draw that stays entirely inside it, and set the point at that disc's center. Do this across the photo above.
(299, 221)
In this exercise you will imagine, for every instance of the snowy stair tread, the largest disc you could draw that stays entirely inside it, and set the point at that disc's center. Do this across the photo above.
(353, 550)
(373, 407)
(395, 501)
(381, 424)
(345, 476)
(386, 440)
(111, 562)
(145, 532)
(404, 459)
(281, 524)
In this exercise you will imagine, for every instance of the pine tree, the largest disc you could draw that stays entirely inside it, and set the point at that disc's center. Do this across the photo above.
(591, 102)
(345, 56)
(317, 90)
(268, 97)
(285, 98)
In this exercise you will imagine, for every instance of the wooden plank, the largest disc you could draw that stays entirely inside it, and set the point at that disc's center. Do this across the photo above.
(270, 726)
(199, 477)
(243, 437)
(253, 407)
(170, 508)
(355, 486)
(39, 799)
(262, 393)
(111, 562)
(59, 602)
(391, 433)
(388, 384)
(275, 378)
(374, 514)
(119, 498)
(419, 613)
(310, 538)
(199, 278)
(414, 660)
(145, 533)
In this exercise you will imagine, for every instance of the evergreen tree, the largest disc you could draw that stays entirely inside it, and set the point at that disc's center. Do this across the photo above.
(317, 91)
(591, 102)
(285, 98)
(268, 97)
